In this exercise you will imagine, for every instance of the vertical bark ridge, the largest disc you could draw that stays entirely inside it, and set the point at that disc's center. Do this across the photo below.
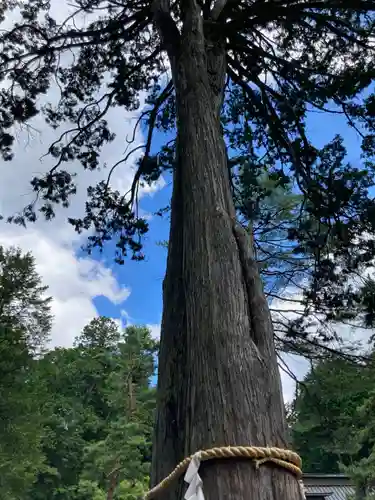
(215, 386)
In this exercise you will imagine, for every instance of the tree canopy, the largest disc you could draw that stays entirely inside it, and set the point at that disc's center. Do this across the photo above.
(331, 421)
(98, 417)
(234, 81)
(25, 322)
(24, 304)
(327, 275)
(76, 423)
(283, 60)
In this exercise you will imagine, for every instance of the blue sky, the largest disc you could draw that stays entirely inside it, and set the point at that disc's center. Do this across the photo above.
(144, 278)
(83, 286)
(144, 305)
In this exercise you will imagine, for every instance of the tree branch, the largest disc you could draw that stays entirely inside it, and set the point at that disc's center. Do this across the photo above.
(153, 115)
(217, 9)
(168, 31)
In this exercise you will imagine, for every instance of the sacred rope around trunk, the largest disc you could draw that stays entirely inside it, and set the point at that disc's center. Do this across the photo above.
(286, 459)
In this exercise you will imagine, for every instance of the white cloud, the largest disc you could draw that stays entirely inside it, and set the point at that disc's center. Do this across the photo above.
(155, 330)
(350, 335)
(297, 366)
(73, 281)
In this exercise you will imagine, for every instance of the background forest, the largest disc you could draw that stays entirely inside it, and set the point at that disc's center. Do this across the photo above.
(76, 423)
(255, 80)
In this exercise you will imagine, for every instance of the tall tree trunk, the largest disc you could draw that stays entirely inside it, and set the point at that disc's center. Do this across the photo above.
(218, 381)
(112, 484)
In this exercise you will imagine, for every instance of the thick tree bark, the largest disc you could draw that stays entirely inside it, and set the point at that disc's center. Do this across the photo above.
(218, 381)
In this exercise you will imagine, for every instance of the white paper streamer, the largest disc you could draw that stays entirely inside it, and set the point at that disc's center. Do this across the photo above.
(302, 489)
(195, 488)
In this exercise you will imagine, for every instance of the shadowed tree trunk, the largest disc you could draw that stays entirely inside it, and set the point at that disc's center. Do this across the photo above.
(218, 381)
(112, 485)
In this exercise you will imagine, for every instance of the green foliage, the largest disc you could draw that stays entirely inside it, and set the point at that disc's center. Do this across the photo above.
(21, 427)
(305, 204)
(120, 57)
(362, 470)
(101, 333)
(132, 490)
(70, 416)
(99, 413)
(332, 419)
(88, 490)
(24, 325)
(367, 301)
(126, 446)
(23, 301)
(307, 236)
(72, 380)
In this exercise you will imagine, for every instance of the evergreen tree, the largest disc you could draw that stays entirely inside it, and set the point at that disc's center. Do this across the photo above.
(313, 260)
(264, 65)
(25, 322)
(326, 415)
(362, 469)
(73, 415)
(123, 457)
(21, 423)
(101, 332)
(98, 416)
(23, 301)
(332, 421)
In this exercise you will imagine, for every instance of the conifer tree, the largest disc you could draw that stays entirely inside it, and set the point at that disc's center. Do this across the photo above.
(200, 61)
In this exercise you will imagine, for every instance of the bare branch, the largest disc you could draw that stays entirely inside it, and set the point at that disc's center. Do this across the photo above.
(153, 115)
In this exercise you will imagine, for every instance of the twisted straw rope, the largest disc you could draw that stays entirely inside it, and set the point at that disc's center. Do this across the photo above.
(287, 459)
